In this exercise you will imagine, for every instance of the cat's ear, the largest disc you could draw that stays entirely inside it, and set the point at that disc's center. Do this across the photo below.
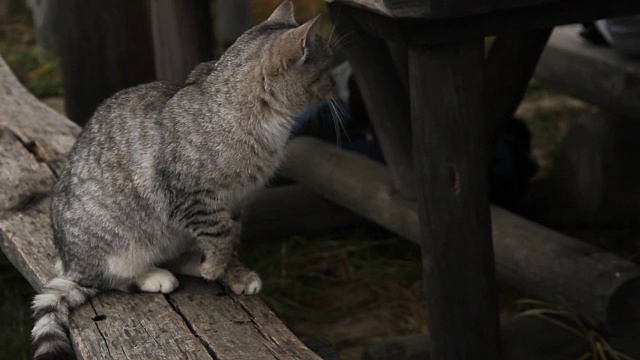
(305, 34)
(283, 14)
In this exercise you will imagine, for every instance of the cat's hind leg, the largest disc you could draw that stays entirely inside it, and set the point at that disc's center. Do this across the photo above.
(135, 271)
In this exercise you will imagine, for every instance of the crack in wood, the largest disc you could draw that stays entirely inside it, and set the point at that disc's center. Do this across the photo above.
(33, 148)
(258, 328)
(186, 321)
(100, 331)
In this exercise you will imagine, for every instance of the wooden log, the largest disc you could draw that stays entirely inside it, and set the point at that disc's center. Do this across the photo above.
(33, 141)
(592, 73)
(523, 338)
(182, 37)
(451, 153)
(540, 261)
(293, 210)
(385, 98)
(105, 46)
(509, 66)
(597, 172)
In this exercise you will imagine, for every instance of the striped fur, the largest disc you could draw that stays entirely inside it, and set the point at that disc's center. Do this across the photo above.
(51, 314)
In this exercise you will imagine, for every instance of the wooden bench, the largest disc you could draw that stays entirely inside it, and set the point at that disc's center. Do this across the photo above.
(597, 160)
(198, 321)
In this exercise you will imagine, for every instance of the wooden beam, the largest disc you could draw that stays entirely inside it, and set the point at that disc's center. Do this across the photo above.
(530, 257)
(451, 156)
(182, 37)
(443, 31)
(385, 98)
(105, 46)
(509, 66)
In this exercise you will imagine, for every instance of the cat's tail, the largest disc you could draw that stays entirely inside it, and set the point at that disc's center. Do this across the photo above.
(51, 315)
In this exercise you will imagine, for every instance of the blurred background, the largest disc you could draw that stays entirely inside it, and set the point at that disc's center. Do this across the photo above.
(348, 286)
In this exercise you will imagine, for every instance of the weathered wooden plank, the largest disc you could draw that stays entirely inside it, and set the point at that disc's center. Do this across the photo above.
(596, 74)
(26, 240)
(17, 164)
(47, 134)
(236, 327)
(531, 257)
(134, 326)
(451, 156)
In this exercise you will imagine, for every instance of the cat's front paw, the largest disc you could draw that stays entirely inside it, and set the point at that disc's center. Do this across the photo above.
(243, 281)
(211, 270)
(157, 280)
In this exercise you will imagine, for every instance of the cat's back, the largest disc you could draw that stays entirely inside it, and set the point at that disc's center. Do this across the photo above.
(119, 139)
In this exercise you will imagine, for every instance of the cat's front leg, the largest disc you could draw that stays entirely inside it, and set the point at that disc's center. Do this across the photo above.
(215, 233)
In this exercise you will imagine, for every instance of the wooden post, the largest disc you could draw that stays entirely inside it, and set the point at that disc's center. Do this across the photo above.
(385, 97)
(105, 46)
(182, 37)
(233, 17)
(450, 152)
(510, 64)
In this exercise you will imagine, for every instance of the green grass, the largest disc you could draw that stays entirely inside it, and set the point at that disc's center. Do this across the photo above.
(15, 315)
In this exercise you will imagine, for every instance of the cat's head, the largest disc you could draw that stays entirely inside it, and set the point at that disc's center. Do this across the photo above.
(291, 61)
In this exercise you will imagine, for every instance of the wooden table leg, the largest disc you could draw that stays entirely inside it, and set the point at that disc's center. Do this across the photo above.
(450, 153)
(384, 95)
(508, 68)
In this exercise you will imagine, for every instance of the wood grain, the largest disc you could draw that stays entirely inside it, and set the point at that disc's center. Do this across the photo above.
(451, 156)
(236, 327)
(182, 37)
(385, 97)
(47, 134)
(133, 326)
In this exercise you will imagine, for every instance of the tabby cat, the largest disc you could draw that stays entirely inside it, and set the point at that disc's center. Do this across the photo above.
(157, 179)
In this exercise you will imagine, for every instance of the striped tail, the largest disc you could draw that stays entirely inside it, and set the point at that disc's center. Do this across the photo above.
(51, 316)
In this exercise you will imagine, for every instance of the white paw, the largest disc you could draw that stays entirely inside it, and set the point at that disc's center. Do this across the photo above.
(158, 280)
(252, 286)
